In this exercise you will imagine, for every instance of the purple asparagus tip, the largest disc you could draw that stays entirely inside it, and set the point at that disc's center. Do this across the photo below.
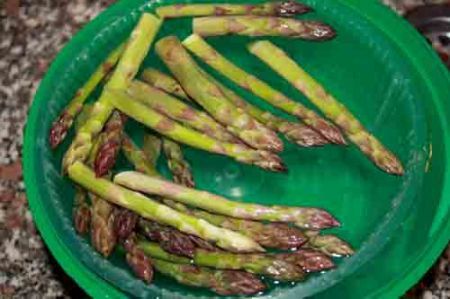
(313, 261)
(124, 223)
(321, 219)
(59, 130)
(319, 31)
(291, 8)
(238, 283)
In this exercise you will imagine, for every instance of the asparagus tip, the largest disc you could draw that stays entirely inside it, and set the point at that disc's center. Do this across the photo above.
(392, 166)
(58, 130)
(237, 283)
(320, 31)
(313, 261)
(290, 8)
(321, 219)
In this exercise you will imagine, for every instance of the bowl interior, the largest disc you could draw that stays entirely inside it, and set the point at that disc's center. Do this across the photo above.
(364, 69)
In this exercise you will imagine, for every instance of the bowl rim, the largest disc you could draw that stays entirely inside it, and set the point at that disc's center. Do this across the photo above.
(409, 41)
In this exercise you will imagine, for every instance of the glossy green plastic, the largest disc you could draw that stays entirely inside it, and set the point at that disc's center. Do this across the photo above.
(378, 66)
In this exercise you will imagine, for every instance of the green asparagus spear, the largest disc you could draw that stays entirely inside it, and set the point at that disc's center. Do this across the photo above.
(150, 209)
(179, 133)
(262, 26)
(152, 149)
(279, 8)
(328, 244)
(284, 267)
(179, 111)
(180, 168)
(60, 127)
(271, 235)
(164, 82)
(137, 48)
(212, 99)
(109, 149)
(127, 67)
(137, 157)
(279, 236)
(310, 218)
(280, 62)
(81, 212)
(297, 133)
(227, 283)
(208, 54)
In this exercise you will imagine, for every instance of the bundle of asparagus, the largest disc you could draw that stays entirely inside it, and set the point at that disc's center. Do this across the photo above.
(209, 55)
(199, 238)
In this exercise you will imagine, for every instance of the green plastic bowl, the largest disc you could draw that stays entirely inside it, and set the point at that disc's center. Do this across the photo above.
(378, 66)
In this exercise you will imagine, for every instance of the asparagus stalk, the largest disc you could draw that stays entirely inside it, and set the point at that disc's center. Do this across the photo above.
(179, 111)
(172, 240)
(180, 168)
(328, 244)
(83, 116)
(81, 212)
(137, 48)
(208, 54)
(212, 99)
(150, 209)
(61, 126)
(137, 157)
(309, 218)
(294, 132)
(152, 150)
(127, 67)
(262, 26)
(280, 62)
(163, 82)
(279, 8)
(103, 236)
(141, 264)
(109, 149)
(225, 283)
(271, 235)
(279, 236)
(179, 133)
(284, 267)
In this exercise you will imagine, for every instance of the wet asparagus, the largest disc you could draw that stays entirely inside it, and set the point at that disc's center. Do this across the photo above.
(280, 62)
(179, 111)
(163, 82)
(180, 168)
(284, 267)
(81, 212)
(61, 126)
(309, 218)
(225, 283)
(150, 209)
(110, 147)
(212, 99)
(135, 51)
(209, 55)
(262, 26)
(294, 132)
(179, 133)
(273, 8)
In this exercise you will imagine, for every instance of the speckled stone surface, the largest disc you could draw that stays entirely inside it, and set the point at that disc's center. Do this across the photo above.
(31, 34)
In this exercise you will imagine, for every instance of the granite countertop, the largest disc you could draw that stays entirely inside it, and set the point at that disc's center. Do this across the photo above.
(31, 34)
